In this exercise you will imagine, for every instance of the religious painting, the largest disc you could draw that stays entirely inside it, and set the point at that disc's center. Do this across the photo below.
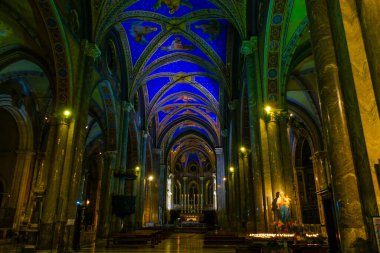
(177, 45)
(212, 29)
(138, 31)
(173, 5)
(376, 224)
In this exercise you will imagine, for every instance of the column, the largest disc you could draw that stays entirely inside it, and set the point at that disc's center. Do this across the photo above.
(234, 161)
(160, 169)
(359, 94)
(141, 180)
(20, 186)
(368, 13)
(250, 52)
(344, 182)
(185, 196)
(275, 156)
(319, 159)
(201, 178)
(242, 193)
(127, 107)
(59, 127)
(81, 102)
(220, 187)
(109, 160)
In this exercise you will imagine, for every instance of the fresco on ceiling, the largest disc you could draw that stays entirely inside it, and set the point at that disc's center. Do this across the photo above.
(177, 44)
(185, 99)
(171, 8)
(140, 33)
(192, 127)
(173, 5)
(178, 67)
(214, 33)
(210, 28)
(179, 88)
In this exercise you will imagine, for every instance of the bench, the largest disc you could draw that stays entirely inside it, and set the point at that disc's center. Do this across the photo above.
(136, 237)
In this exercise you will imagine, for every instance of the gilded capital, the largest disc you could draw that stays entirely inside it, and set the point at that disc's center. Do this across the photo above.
(92, 50)
(249, 46)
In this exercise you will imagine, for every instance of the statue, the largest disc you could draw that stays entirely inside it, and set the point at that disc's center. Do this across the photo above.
(283, 207)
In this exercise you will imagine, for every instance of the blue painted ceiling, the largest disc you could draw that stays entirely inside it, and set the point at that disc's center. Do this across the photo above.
(179, 50)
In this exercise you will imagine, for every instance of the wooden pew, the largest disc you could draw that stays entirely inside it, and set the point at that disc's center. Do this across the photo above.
(136, 237)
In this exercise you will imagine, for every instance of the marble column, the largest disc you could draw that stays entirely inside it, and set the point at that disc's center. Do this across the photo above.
(220, 187)
(348, 208)
(127, 107)
(234, 161)
(201, 178)
(319, 160)
(109, 160)
(59, 126)
(369, 12)
(249, 50)
(162, 193)
(160, 169)
(141, 179)
(21, 185)
(275, 155)
(362, 110)
(185, 198)
(81, 102)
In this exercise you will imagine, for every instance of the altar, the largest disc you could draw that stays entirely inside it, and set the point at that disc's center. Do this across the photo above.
(192, 217)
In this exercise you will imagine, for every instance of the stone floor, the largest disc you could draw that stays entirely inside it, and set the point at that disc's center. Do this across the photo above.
(181, 243)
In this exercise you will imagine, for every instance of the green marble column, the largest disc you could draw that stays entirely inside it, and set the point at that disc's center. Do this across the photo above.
(275, 155)
(319, 159)
(344, 181)
(233, 152)
(220, 187)
(81, 102)
(109, 161)
(59, 127)
(249, 50)
(127, 107)
(141, 180)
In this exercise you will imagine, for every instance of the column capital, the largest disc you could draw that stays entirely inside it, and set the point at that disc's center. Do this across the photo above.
(109, 154)
(157, 151)
(219, 151)
(58, 119)
(233, 104)
(145, 134)
(92, 50)
(184, 178)
(127, 106)
(201, 178)
(249, 46)
(319, 155)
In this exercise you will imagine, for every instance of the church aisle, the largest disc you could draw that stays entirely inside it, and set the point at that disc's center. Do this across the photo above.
(183, 242)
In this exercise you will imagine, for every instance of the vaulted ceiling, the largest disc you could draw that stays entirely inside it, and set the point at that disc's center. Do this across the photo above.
(179, 57)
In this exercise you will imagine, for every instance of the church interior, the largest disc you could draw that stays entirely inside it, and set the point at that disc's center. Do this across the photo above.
(252, 123)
